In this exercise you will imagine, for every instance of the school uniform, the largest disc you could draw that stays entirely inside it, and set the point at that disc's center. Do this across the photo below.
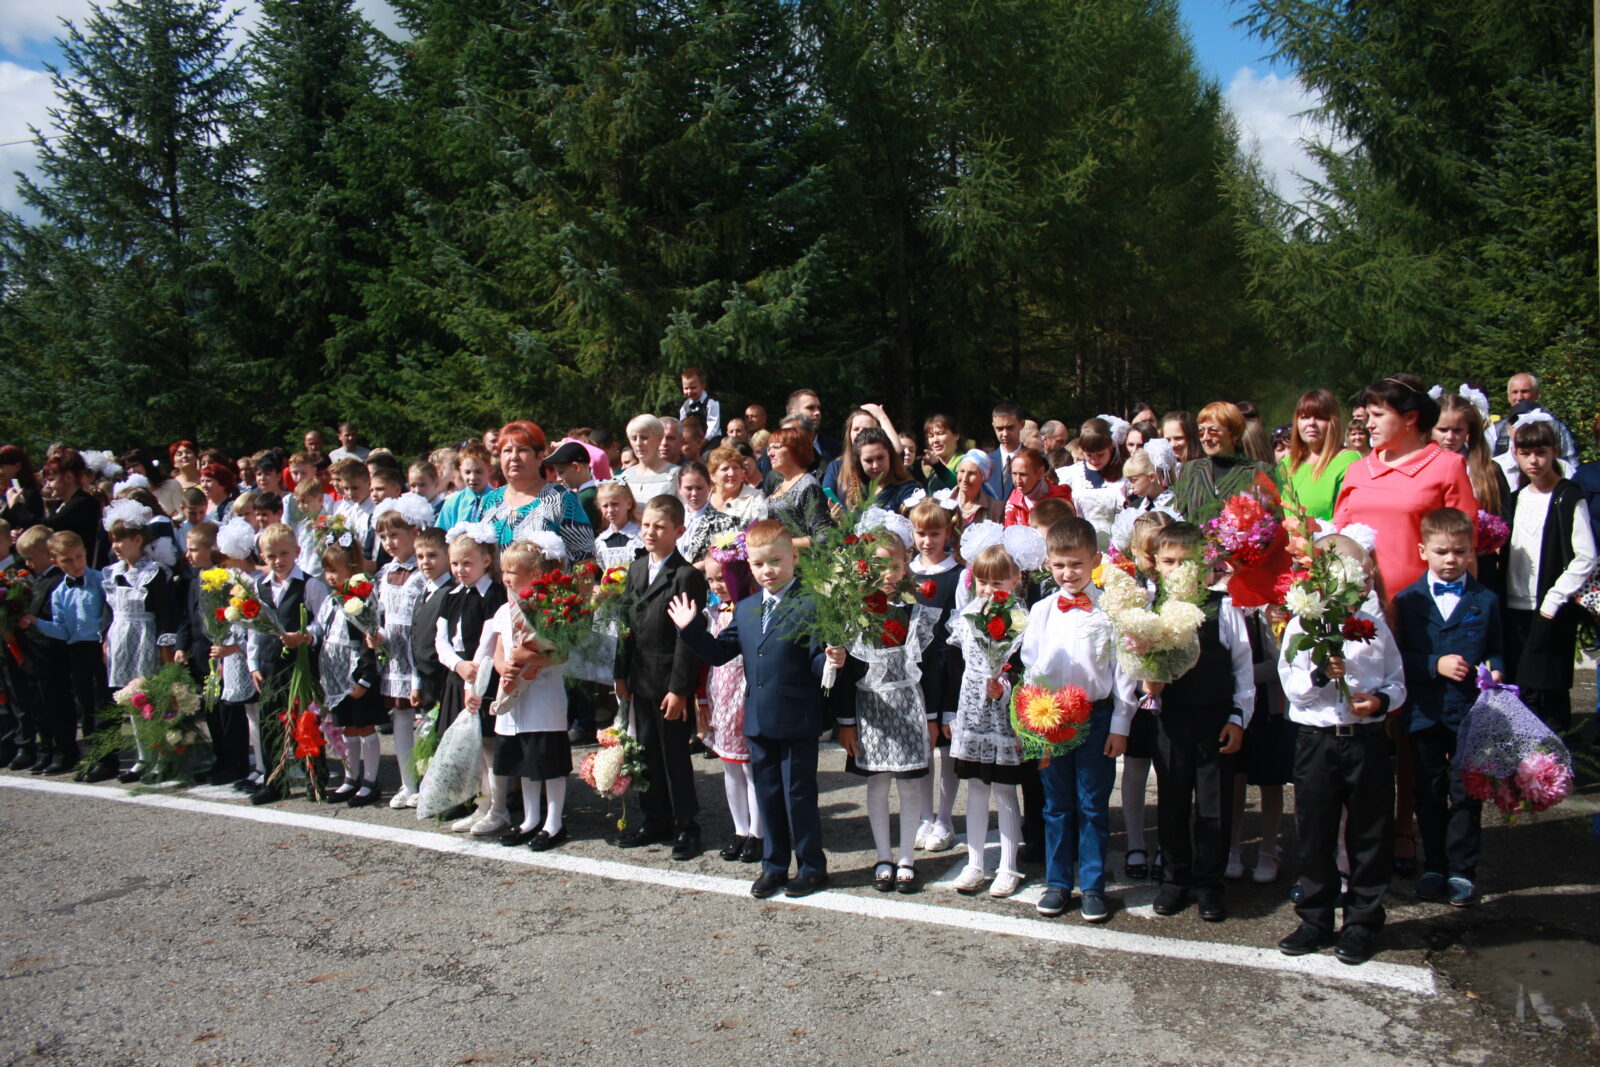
(266, 653)
(78, 617)
(20, 709)
(1193, 777)
(653, 661)
(1344, 767)
(1550, 555)
(424, 631)
(229, 718)
(344, 664)
(1437, 619)
(942, 666)
(783, 717)
(465, 610)
(1066, 644)
(533, 730)
(46, 668)
(141, 619)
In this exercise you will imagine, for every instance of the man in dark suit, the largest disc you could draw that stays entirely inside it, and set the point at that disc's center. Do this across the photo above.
(1007, 424)
(658, 674)
(783, 708)
(1447, 624)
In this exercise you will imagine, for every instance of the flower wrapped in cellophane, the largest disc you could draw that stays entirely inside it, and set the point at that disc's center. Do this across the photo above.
(167, 719)
(1508, 755)
(1325, 597)
(1156, 641)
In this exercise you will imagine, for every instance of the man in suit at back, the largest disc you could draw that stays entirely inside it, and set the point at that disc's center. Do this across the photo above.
(783, 709)
(1007, 424)
(658, 675)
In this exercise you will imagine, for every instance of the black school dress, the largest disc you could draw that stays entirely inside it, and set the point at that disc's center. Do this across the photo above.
(464, 614)
(942, 666)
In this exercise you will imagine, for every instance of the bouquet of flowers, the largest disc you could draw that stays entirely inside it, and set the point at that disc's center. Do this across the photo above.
(556, 612)
(454, 769)
(331, 529)
(1049, 722)
(1325, 598)
(427, 741)
(295, 732)
(168, 721)
(1156, 642)
(358, 605)
(1242, 533)
(1492, 533)
(1508, 755)
(845, 582)
(614, 768)
(217, 595)
(999, 622)
(16, 592)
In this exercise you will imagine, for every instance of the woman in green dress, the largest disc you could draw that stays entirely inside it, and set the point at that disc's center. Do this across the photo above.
(1205, 484)
(1313, 471)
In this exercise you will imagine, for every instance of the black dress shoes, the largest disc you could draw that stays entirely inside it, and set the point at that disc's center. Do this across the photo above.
(364, 797)
(641, 836)
(767, 883)
(267, 794)
(1212, 910)
(1170, 899)
(686, 846)
(101, 772)
(25, 760)
(805, 884)
(341, 795)
(752, 850)
(1305, 940)
(733, 850)
(544, 842)
(1356, 945)
(517, 836)
(132, 774)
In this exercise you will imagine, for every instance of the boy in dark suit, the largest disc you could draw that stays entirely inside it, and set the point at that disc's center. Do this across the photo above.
(783, 706)
(433, 560)
(1449, 623)
(658, 674)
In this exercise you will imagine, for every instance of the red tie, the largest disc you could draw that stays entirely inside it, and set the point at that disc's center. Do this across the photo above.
(1081, 602)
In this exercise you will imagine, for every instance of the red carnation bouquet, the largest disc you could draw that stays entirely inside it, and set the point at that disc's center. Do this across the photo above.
(845, 580)
(16, 592)
(555, 615)
(1050, 722)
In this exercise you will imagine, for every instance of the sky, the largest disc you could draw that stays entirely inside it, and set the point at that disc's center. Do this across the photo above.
(1265, 98)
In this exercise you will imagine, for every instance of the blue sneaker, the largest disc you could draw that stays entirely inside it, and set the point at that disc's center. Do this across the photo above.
(1430, 886)
(1053, 902)
(1462, 892)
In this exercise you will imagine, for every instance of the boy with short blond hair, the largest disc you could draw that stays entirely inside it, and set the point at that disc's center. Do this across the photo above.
(78, 618)
(784, 713)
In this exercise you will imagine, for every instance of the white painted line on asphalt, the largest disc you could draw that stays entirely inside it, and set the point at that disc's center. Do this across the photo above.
(1401, 977)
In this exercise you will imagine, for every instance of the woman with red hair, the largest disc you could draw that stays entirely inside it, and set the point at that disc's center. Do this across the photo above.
(66, 481)
(219, 484)
(797, 501)
(529, 501)
(185, 463)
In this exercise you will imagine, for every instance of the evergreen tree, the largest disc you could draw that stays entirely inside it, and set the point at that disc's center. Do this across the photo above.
(120, 299)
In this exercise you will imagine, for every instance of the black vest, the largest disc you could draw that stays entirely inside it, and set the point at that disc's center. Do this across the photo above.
(1555, 545)
(1209, 683)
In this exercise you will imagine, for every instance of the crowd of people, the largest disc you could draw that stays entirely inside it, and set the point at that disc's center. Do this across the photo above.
(716, 652)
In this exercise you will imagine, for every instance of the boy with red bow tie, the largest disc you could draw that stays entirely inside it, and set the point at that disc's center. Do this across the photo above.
(1070, 641)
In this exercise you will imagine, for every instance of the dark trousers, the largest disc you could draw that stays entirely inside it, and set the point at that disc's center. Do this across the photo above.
(670, 800)
(1539, 656)
(1194, 790)
(86, 667)
(57, 723)
(785, 777)
(1334, 775)
(1032, 805)
(1448, 820)
(19, 715)
(230, 739)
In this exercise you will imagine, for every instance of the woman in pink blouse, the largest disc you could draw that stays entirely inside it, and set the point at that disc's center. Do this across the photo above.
(1404, 477)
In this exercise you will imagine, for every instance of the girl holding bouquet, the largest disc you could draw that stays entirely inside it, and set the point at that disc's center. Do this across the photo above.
(350, 678)
(985, 751)
(889, 734)
(401, 589)
(470, 603)
(531, 729)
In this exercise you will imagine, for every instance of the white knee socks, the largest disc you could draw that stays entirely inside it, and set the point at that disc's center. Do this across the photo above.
(977, 821)
(740, 789)
(1135, 776)
(941, 776)
(405, 719)
(371, 756)
(555, 803)
(252, 726)
(1005, 800)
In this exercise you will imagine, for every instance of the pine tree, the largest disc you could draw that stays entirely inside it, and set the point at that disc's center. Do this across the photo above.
(120, 298)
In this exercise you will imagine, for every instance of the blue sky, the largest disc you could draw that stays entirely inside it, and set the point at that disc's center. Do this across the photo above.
(1265, 99)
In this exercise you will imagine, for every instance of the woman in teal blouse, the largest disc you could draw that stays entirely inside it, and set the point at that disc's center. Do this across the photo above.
(1313, 471)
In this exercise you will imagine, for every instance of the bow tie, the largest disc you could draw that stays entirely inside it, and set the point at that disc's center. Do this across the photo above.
(1081, 602)
(76, 583)
(1443, 588)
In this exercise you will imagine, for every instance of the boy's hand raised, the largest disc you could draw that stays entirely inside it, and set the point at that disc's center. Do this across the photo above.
(681, 611)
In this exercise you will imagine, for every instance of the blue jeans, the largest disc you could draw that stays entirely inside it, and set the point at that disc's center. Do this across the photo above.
(1077, 809)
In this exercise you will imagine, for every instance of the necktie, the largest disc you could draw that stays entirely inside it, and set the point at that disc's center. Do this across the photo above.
(1081, 602)
(1445, 588)
(768, 606)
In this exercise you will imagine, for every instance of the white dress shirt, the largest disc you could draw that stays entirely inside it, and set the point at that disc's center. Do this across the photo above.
(1526, 547)
(1061, 648)
(1369, 667)
(450, 649)
(316, 591)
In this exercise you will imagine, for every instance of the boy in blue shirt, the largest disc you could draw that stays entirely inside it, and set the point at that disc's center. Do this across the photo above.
(77, 618)
(1449, 623)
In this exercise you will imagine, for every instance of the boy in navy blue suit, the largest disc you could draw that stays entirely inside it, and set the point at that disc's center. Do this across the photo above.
(1449, 623)
(783, 714)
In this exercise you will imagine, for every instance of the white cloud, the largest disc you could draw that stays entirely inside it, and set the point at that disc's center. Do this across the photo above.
(25, 98)
(1274, 121)
(24, 22)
